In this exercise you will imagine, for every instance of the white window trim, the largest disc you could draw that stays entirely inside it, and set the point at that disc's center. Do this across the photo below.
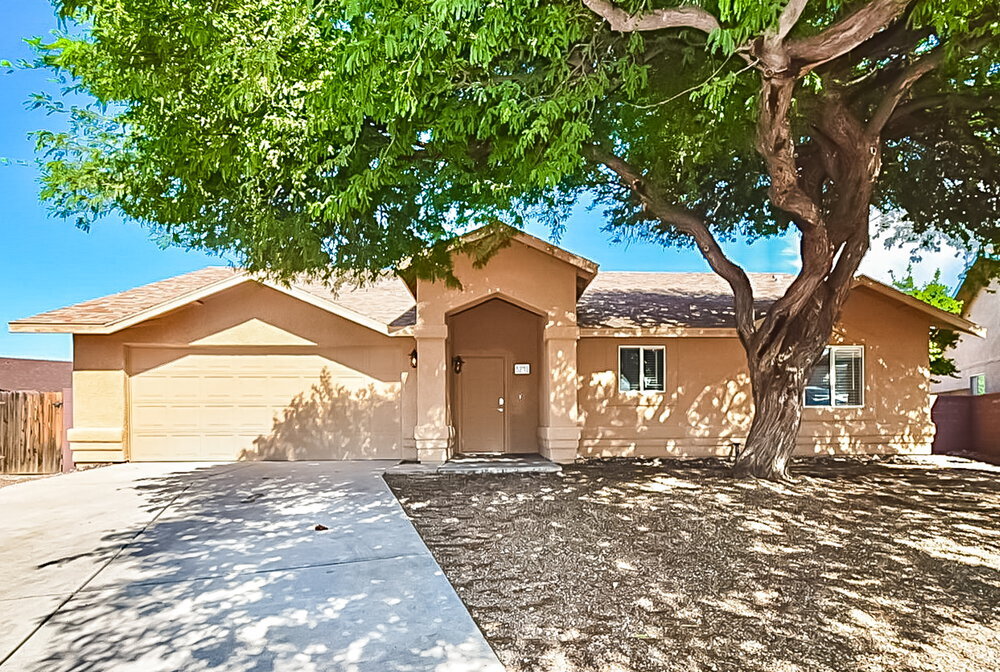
(977, 375)
(833, 391)
(642, 380)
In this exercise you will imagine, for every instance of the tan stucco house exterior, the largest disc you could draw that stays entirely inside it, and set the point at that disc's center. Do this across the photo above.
(536, 352)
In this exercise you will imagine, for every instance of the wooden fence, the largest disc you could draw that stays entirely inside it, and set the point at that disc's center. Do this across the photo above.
(31, 432)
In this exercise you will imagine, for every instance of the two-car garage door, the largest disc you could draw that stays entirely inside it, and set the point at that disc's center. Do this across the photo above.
(186, 404)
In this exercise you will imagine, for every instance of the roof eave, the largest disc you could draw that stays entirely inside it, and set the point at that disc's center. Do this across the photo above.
(938, 317)
(28, 327)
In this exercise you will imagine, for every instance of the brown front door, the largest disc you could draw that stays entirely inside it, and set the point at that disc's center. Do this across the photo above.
(481, 405)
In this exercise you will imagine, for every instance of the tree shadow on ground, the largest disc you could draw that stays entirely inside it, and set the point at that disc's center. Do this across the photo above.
(331, 421)
(660, 565)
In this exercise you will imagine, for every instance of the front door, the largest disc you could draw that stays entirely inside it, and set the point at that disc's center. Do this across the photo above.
(481, 405)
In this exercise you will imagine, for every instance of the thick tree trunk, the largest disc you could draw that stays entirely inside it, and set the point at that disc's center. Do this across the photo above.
(777, 385)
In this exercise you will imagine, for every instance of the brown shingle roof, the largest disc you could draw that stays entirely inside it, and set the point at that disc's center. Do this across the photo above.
(43, 375)
(117, 307)
(625, 299)
(613, 299)
(387, 301)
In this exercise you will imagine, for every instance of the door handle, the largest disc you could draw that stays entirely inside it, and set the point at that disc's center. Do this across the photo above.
(500, 404)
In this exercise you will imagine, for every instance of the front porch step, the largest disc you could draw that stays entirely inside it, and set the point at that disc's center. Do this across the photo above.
(486, 463)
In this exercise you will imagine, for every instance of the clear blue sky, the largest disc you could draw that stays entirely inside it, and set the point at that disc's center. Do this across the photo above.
(47, 263)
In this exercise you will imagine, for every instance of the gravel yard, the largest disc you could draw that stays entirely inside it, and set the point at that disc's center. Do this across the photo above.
(659, 565)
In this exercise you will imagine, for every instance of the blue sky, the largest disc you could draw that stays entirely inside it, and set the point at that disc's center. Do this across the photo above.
(47, 263)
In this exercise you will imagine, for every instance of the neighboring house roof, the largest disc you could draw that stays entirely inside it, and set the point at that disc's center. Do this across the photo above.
(43, 375)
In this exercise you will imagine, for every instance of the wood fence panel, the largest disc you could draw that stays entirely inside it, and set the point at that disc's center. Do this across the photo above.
(31, 431)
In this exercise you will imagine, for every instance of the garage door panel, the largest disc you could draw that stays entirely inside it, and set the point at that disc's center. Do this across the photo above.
(217, 406)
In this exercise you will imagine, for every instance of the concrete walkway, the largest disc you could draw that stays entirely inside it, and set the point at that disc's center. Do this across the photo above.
(191, 567)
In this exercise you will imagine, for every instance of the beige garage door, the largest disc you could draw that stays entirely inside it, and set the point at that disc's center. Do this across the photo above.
(191, 405)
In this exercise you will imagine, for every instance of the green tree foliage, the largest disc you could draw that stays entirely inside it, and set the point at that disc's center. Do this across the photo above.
(310, 136)
(939, 295)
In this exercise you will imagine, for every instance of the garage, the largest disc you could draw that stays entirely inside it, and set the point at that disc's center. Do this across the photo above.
(189, 404)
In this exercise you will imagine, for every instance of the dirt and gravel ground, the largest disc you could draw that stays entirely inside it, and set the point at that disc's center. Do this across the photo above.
(622, 565)
(6, 480)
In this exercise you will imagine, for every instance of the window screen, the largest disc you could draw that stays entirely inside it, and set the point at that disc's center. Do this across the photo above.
(641, 369)
(628, 369)
(838, 379)
(652, 369)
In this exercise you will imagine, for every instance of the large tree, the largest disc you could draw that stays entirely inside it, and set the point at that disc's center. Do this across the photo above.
(352, 136)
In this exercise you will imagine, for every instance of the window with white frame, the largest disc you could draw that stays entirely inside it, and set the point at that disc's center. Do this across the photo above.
(838, 379)
(977, 384)
(641, 368)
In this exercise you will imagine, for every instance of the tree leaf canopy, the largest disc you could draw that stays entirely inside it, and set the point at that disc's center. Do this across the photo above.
(326, 136)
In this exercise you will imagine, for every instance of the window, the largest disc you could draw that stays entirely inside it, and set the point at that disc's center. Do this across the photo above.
(838, 379)
(977, 384)
(640, 368)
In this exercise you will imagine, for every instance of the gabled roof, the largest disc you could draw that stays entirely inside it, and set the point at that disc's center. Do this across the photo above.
(645, 301)
(586, 267)
(381, 306)
(614, 301)
(938, 317)
(486, 240)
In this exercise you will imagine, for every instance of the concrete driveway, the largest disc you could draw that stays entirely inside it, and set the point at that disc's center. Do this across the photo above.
(191, 567)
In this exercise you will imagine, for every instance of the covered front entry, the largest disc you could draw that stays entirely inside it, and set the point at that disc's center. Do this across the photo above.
(495, 352)
(514, 299)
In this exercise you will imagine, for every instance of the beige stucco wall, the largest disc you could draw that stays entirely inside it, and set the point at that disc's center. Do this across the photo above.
(253, 320)
(574, 396)
(707, 400)
(974, 355)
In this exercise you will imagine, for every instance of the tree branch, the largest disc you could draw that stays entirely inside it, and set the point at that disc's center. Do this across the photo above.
(900, 88)
(846, 34)
(685, 16)
(789, 17)
(687, 222)
(776, 145)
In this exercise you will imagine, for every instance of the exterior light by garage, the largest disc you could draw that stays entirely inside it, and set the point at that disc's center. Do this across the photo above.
(413, 358)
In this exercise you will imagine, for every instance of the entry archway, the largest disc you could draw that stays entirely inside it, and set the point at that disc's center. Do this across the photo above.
(495, 351)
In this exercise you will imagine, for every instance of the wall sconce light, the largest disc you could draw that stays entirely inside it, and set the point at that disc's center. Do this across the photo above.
(456, 364)
(413, 358)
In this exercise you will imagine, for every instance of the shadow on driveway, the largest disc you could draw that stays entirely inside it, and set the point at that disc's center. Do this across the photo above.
(232, 574)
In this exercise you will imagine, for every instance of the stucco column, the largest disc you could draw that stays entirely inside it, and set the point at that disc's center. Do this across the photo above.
(559, 432)
(432, 433)
(100, 388)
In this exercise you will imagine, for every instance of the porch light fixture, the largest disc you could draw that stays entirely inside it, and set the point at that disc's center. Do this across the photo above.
(413, 358)
(456, 364)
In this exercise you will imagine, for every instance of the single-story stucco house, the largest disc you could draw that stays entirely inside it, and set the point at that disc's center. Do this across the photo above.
(537, 352)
